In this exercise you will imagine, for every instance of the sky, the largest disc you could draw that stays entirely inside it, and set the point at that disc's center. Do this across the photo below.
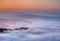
(40, 16)
(18, 17)
(29, 3)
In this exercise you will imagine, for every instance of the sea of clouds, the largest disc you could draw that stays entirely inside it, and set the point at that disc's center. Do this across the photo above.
(42, 27)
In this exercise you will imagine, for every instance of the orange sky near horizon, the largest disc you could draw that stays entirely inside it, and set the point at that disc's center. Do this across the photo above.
(28, 6)
(24, 4)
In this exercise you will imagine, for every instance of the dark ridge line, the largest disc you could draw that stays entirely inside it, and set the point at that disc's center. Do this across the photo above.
(22, 28)
(5, 29)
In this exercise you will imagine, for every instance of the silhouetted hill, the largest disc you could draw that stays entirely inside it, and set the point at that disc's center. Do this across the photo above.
(22, 28)
(4, 29)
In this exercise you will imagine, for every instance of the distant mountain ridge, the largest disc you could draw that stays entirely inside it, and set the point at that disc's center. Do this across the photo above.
(5, 29)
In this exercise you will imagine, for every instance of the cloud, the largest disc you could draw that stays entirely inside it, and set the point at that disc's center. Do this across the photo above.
(30, 19)
(32, 36)
(47, 35)
(47, 17)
